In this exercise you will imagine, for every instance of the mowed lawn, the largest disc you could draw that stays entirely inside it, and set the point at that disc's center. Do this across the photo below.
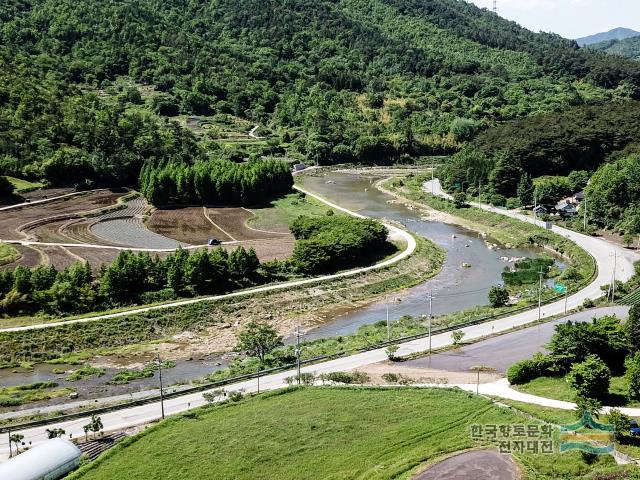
(319, 433)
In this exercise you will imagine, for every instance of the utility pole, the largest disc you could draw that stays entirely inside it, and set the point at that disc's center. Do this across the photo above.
(585, 214)
(161, 388)
(298, 352)
(430, 317)
(566, 299)
(432, 174)
(540, 296)
(479, 189)
(259, 370)
(388, 324)
(535, 209)
(495, 6)
(613, 284)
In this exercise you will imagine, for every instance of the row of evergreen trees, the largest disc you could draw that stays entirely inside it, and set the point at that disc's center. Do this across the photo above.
(215, 182)
(131, 278)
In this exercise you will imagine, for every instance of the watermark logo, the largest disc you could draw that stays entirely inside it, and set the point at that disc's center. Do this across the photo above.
(533, 438)
(587, 435)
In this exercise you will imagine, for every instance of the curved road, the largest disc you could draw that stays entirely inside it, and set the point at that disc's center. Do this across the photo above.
(393, 231)
(600, 249)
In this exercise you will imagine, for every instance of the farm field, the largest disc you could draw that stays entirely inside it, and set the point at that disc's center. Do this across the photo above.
(280, 213)
(15, 222)
(188, 225)
(368, 433)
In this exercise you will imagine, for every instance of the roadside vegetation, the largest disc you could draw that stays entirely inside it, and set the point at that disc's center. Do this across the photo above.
(593, 364)
(393, 418)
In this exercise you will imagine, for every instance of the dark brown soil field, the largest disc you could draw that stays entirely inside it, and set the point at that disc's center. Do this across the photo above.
(233, 221)
(59, 257)
(30, 258)
(11, 221)
(188, 225)
(267, 249)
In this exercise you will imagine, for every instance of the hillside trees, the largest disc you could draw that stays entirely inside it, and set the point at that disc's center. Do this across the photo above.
(216, 182)
(614, 193)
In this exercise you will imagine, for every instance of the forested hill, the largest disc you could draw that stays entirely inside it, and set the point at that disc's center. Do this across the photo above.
(334, 80)
(629, 47)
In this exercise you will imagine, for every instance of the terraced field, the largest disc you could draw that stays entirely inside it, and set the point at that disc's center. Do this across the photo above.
(16, 223)
(126, 227)
(188, 225)
(233, 221)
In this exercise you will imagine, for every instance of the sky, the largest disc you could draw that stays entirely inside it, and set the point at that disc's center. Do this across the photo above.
(569, 18)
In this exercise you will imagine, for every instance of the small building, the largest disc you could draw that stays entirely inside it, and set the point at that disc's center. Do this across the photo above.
(50, 460)
(298, 167)
(539, 210)
(578, 197)
(566, 209)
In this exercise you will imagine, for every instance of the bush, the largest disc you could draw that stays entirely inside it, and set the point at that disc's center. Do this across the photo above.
(345, 377)
(498, 297)
(591, 378)
(526, 370)
(306, 378)
(391, 352)
(632, 375)
(457, 336)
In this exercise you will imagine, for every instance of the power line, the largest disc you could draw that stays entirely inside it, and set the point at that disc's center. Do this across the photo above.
(495, 6)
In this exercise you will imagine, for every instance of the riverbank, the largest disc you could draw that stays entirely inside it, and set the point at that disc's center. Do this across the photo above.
(506, 230)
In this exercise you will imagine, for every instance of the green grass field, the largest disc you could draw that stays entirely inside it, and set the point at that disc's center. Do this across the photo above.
(8, 254)
(558, 389)
(328, 433)
(278, 216)
(24, 185)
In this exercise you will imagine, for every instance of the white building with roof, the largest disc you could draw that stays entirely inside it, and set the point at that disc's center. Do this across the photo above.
(49, 460)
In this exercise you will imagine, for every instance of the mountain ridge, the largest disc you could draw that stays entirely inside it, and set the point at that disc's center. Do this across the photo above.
(619, 33)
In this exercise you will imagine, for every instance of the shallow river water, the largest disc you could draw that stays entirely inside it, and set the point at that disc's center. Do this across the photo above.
(455, 288)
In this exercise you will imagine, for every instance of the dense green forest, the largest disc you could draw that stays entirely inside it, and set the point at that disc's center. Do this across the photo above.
(333, 80)
(216, 182)
(563, 150)
(629, 47)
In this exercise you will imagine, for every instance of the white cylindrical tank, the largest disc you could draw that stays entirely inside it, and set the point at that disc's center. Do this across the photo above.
(50, 460)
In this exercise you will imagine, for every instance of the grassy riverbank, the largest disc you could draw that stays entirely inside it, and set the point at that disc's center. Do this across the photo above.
(368, 433)
(508, 231)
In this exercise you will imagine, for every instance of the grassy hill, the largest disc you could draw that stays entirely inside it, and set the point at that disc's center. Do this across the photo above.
(323, 433)
(86, 88)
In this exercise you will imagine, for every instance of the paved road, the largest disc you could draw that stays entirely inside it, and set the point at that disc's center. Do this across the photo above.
(600, 249)
(476, 465)
(394, 232)
(502, 351)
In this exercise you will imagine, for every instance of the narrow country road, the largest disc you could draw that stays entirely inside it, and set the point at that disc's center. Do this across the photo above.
(601, 250)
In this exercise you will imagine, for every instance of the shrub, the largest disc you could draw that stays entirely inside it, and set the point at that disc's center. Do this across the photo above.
(591, 378)
(621, 424)
(457, 336)
(527, 370)
(632, 375)
(306, 378)
(212, 396)
(345, 377)
(391, 352)
(498, 297)
(236, 396)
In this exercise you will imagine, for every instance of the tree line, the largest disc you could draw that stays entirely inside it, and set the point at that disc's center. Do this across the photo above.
(130, 279)
(215, 182)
